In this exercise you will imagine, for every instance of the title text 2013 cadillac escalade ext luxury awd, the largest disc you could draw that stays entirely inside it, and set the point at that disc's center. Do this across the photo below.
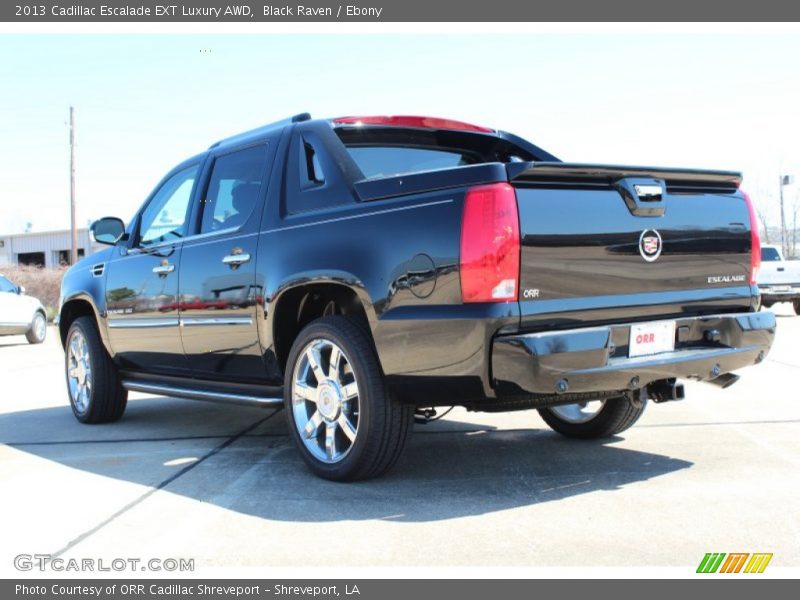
(360, 270)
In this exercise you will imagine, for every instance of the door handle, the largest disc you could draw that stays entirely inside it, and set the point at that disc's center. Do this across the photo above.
(643, 196)
(163, 270)
(234, 260)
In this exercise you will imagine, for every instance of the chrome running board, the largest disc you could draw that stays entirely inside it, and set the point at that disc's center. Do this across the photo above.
(204, 395)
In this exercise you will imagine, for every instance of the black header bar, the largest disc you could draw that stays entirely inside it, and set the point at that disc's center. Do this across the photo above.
(376, 11)
(388, 589)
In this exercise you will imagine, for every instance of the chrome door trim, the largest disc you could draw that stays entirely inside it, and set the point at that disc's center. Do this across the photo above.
(135, 323)
(195, 321)
(190, 238)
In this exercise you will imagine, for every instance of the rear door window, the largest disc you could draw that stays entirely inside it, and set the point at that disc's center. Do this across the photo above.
(233, 189)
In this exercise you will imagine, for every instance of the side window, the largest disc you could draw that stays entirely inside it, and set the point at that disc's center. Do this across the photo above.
(233, 188)
(164, 219)
(310, 169)
(314, 174)
(6, 285)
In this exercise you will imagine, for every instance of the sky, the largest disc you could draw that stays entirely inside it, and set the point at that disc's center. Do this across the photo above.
(144, 102)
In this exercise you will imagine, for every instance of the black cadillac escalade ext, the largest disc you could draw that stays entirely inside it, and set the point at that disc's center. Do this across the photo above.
(361, 270)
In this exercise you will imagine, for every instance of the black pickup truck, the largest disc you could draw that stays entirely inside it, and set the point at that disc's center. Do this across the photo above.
(363, 271)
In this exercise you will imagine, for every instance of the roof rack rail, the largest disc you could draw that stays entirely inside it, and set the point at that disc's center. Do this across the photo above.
(298, 118)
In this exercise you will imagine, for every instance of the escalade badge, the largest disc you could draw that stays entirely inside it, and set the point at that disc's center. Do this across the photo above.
(650, 244)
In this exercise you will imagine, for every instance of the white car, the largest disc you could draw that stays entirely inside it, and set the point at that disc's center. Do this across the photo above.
(20, 313)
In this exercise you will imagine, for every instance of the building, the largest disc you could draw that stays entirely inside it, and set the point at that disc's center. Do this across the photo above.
(44, 248)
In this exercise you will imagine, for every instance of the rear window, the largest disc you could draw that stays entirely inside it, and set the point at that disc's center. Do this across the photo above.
(768, 254)
(389, 151)
(384, 161)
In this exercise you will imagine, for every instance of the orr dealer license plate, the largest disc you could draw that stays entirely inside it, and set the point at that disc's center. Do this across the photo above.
(651, 338)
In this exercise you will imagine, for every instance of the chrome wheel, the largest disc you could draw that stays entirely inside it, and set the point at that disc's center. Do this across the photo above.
(325, 403)
(580, 412)
(79, 372)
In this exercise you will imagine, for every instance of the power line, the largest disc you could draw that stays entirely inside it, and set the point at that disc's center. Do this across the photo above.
(72, 222)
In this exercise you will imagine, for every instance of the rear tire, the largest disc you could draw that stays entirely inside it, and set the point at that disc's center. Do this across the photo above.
(340, 413)
(614, 416)
(796, 305)
(38, 330)
(95, 391)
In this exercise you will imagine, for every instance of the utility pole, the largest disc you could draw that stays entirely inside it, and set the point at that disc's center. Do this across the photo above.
(784, 180)
(73, 254)
(783, 216)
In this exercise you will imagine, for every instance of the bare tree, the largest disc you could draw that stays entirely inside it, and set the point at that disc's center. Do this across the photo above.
(762, 213)
(763, 201)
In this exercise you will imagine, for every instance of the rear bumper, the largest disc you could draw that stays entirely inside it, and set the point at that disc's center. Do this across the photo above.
(596, 359)
(779, 293)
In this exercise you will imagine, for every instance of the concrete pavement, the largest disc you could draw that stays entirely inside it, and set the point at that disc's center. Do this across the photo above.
(718, 472)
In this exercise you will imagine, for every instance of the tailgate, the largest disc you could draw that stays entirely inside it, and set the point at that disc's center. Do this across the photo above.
(779, 273)
(605, 243)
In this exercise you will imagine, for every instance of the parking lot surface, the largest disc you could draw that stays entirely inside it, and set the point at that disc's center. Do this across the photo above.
(718, 472)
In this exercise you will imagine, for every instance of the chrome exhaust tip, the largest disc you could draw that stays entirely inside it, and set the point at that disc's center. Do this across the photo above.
(725, 380)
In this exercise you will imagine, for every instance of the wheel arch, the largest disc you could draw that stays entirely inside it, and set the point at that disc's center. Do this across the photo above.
(75, 307)
(305, 300)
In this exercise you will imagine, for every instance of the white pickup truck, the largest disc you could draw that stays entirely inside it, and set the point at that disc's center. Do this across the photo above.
(778, 279)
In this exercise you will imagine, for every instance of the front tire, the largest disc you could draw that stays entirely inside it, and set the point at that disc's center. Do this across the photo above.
(95, 391)
(592, 420)
(341, 416)
(38, 330)
(796, 305)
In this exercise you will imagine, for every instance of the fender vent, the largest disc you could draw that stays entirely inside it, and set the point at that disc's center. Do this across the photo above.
(97, 270)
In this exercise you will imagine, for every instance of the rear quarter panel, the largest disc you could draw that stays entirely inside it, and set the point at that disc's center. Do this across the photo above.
(401, 255)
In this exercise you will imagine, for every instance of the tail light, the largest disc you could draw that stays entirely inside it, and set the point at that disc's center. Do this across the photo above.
(490, 246)
(755, 241)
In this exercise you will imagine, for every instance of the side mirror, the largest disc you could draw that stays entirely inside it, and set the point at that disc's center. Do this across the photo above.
(108, 230)
(21, 290)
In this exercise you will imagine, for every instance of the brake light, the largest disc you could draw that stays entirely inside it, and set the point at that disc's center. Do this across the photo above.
(490, 245)
(412, 121)
(755, 240)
